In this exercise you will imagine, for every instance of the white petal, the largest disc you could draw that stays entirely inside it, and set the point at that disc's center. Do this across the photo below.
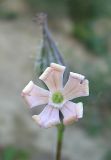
(35, 95)
(28, 88)
(48, 117)
(71, 112)
(57, 67)
(53, 77)
(76, 86)
(79, 110)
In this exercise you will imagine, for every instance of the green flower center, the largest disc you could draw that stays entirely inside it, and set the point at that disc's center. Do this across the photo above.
(57, 97)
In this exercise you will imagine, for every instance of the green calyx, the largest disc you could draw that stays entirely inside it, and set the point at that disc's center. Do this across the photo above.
(57, 97)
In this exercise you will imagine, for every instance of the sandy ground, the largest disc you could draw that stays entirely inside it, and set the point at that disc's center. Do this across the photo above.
(20, 42)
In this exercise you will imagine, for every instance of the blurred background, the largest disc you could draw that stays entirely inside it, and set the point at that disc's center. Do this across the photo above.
(82, 30)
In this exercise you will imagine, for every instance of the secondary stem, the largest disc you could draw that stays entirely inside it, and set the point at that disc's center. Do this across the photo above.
(59, 141)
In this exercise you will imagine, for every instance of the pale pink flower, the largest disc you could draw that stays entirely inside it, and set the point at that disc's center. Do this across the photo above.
(58, 97)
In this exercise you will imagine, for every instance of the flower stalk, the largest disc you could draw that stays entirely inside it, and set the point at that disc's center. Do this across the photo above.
(50, 50)
(59, 141)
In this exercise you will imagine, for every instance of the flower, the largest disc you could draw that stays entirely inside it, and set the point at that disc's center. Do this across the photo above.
(58, 97)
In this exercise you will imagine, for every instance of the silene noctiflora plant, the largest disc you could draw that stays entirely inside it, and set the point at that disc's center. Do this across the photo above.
(57, 98)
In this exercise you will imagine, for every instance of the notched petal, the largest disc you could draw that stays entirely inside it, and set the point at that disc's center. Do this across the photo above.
(76, 86)
(48, 117)
(71, 112)
(35, 95)
(53, 77)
